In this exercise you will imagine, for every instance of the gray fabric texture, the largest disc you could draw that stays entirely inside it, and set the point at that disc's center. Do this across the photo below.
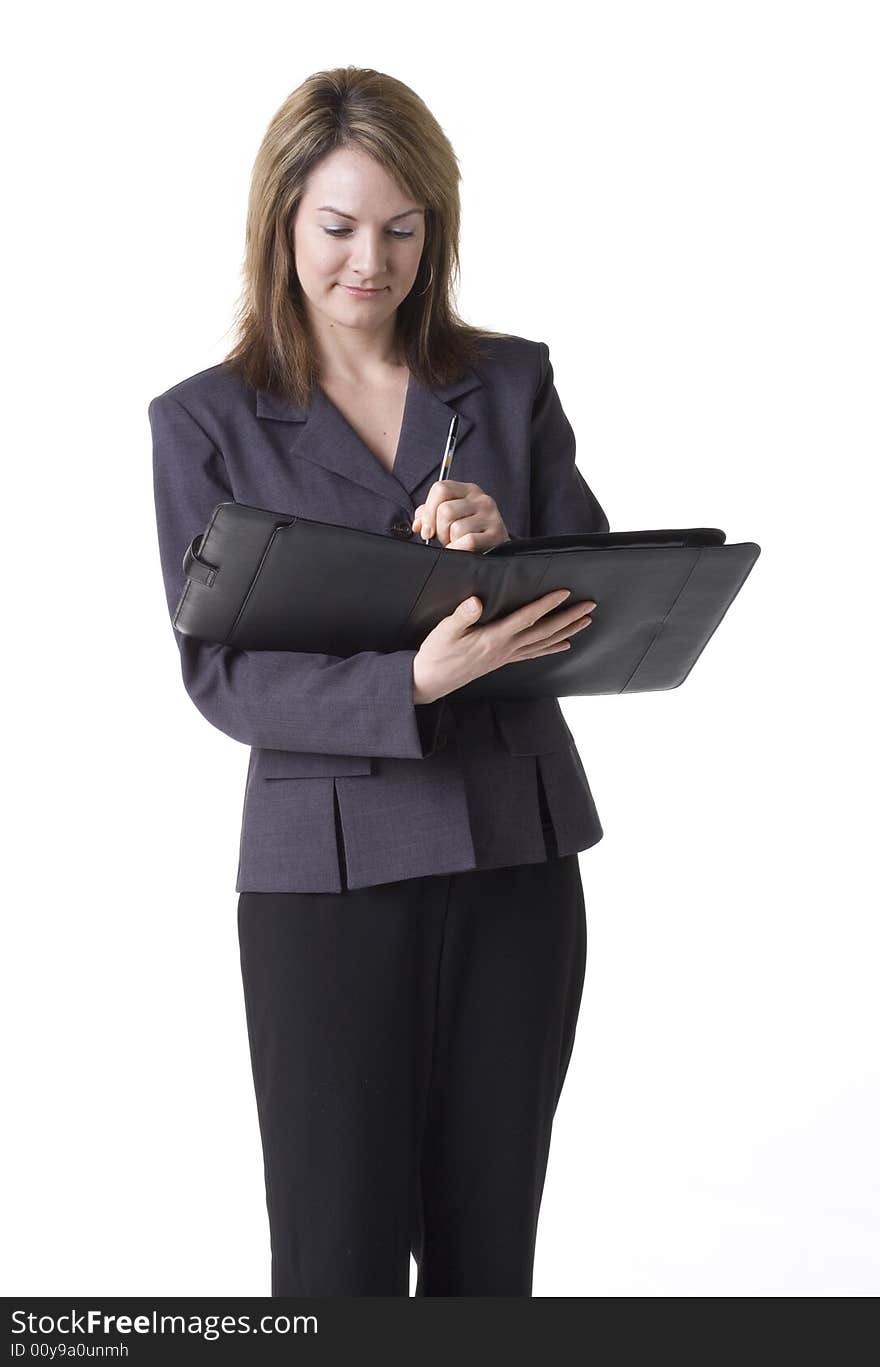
(347, 778)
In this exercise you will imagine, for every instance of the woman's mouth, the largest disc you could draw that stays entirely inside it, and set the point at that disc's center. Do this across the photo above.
(357, 293)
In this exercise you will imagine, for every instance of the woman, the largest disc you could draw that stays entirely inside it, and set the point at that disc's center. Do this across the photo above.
(411, 915)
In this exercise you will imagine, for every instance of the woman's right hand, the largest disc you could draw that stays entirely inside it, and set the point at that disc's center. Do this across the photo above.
(458, 650)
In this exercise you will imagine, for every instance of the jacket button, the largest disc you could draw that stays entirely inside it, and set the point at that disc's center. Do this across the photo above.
(441, 742)
(402, 528)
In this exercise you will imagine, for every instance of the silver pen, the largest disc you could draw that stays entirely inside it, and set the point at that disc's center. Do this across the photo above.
(446, 462)
(451, 439)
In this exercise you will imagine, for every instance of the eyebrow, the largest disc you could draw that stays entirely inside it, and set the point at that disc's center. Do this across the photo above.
(330, 210)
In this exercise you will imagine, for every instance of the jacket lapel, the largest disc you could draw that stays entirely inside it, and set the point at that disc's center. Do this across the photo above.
(321, 434)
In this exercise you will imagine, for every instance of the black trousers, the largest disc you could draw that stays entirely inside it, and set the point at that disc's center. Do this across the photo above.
(409, 1044)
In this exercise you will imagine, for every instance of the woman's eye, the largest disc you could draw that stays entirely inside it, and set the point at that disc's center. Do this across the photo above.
(399, 233)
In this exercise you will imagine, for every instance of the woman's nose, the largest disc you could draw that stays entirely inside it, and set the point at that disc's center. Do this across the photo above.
(369, 258)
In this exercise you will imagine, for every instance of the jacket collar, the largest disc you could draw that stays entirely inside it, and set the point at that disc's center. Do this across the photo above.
(319, 433)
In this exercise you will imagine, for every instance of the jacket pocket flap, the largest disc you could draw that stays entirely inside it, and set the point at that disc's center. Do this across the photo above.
(297, 764)
(531, 726)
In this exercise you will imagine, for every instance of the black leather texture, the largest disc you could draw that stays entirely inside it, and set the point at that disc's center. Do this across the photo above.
(261, 580)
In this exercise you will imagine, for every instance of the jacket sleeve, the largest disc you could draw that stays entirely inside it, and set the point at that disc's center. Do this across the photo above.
(280, 700)
(561, 499)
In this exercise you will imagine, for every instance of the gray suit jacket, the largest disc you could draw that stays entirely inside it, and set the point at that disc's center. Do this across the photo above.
(347, 778)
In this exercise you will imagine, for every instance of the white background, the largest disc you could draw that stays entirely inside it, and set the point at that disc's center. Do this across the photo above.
(682, 200)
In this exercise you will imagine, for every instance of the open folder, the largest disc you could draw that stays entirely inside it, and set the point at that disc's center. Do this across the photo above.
(260, 580)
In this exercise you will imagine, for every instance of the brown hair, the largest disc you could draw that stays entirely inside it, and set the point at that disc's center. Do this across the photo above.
(349, 107)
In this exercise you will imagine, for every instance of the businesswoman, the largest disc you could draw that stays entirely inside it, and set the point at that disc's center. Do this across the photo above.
(411, 915)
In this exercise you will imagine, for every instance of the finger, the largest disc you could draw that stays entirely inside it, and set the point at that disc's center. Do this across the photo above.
(522, 619)
(425, 520)
(531, 646)
(535, 654)
(472, 541)
(448, 511)
(457, 487)
(579, 624)
(459, 528)
(442, 491)
(559, 620)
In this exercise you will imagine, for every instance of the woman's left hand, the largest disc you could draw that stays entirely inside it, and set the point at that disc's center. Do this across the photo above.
(461, 516)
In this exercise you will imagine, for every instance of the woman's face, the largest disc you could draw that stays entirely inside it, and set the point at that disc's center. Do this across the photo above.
(354, 226)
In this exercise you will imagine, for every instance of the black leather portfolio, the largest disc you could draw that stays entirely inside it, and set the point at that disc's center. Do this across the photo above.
(260, 580)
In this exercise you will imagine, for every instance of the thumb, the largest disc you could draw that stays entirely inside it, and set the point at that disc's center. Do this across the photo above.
(469, 610)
